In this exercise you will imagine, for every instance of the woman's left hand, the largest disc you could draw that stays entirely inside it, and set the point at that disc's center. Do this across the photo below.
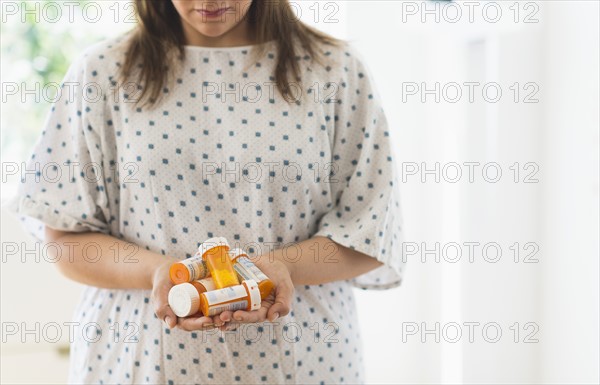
(276, 305)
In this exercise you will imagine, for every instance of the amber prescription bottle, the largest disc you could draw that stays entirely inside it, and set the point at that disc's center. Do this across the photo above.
(184, 299)
(215, 253)
(248, 270)
(239, 297)
(188, 270)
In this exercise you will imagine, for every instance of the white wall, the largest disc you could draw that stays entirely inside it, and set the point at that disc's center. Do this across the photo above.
(556, 298)
(570, 216)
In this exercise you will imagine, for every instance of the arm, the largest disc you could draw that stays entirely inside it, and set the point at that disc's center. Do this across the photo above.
(320, 260)
(113, 264)
(100, 260)
(313, 261)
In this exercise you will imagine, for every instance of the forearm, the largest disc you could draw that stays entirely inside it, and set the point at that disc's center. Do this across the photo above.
(101, 260)
(320, 260)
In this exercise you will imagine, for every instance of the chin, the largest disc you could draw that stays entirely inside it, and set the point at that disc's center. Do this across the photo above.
(213, 31)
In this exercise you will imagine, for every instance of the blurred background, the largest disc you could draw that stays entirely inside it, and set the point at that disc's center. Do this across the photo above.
(494, 111)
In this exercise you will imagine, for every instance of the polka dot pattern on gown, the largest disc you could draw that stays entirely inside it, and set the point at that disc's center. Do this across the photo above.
(221, 155)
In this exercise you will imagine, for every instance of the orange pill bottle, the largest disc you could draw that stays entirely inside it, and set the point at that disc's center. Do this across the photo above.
(246, 269)
(184, 299)
(215, 254)
(188, 270)
(239, 297)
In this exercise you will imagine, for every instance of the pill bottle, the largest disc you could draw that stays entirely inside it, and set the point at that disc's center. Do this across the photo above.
(239, 297)
(248, 270)
(184, 299)
(214, 252)
(188, 270)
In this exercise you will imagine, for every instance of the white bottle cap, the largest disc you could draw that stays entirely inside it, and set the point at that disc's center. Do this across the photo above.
(212, 243)
(184, 299)
(234, 253)
(252, 287)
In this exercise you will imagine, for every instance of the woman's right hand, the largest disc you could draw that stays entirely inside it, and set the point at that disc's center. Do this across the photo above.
(161, 284)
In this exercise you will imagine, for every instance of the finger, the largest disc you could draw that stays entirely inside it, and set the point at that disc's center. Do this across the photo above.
(221, 320)
(195, 323)
(217, 320)
(162, 309)
(164, 313)
(230, 326)
(243, 316)
(170, 318)
(283, 299)
(226, 316)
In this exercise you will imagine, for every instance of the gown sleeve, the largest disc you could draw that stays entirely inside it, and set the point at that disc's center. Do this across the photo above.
(63, 184)
(366, 214)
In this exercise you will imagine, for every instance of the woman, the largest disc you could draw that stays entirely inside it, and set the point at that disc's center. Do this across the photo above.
(228, 119)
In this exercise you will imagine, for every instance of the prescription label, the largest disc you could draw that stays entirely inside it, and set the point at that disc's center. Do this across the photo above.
(227, 294)
(196, 267)
(232, 306)
(248, 270)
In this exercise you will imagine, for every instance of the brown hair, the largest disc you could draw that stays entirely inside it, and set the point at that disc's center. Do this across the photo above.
(158, 41)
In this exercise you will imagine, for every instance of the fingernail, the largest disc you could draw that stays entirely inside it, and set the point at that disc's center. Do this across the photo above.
(238, 318)
(275, 316)
(168, 321)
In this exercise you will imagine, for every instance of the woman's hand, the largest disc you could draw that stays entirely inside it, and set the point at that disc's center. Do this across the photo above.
(161, 284)
(277, 304)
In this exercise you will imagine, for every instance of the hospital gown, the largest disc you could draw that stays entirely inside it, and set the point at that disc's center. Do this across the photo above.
(222, 154)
